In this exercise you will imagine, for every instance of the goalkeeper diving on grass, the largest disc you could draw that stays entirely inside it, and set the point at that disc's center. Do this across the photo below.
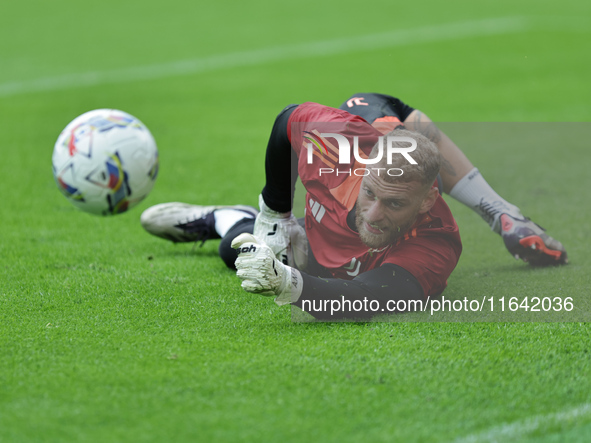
(375, 228)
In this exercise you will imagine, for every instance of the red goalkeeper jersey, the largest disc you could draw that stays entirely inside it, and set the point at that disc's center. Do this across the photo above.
(429, 250)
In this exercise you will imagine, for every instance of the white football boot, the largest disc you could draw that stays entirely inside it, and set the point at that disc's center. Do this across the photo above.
(182, 222)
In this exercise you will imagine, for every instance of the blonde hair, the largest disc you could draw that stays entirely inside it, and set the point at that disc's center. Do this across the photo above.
(426, 155)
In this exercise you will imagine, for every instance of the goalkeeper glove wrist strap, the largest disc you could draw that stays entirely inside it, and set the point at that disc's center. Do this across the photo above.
(291, 287)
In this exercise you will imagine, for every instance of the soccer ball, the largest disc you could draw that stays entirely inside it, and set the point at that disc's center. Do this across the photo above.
(105, 161)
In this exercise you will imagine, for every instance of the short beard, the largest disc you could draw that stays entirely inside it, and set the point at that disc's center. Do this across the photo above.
(377, 241)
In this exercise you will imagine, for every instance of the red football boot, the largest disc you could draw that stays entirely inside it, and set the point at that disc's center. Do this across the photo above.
(529, 242)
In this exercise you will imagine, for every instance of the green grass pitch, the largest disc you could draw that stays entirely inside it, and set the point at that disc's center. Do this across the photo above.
(107, 334)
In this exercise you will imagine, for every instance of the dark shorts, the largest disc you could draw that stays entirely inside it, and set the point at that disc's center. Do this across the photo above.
(373, 106)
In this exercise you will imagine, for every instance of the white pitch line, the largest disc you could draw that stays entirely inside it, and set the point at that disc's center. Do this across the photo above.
(511, 431)
(406, 37)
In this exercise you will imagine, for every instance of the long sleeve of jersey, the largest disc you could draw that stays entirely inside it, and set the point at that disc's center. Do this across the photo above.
(375, 292)
(281, 165)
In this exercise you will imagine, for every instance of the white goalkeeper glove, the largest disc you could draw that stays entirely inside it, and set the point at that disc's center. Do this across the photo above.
(282, 233)
(261, 273)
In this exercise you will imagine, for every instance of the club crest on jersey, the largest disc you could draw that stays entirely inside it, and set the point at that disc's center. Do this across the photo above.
(353, 268)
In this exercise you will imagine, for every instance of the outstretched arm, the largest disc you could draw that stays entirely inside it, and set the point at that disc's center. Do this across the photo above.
(386, 289)
(369, 294)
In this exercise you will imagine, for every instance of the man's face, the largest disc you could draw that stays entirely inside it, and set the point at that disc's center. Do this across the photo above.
(386, 210)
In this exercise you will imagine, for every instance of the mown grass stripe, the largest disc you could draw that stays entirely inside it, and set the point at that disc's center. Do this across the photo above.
(404, 37)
